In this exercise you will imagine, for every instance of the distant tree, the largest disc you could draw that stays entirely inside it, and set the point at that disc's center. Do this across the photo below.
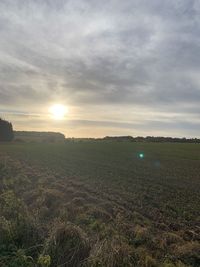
(6, 130)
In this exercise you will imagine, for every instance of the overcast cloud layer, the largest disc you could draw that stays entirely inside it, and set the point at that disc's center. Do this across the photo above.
(122, 67)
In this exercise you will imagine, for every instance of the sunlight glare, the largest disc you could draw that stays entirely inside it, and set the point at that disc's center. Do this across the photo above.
(58, 111)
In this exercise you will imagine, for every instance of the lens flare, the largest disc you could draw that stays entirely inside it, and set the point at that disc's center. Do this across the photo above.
(141, 155)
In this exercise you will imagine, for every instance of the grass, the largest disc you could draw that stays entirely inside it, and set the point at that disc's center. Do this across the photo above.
(121, 210)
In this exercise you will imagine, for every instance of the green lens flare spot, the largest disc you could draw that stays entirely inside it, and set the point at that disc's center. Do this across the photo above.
(141, 155)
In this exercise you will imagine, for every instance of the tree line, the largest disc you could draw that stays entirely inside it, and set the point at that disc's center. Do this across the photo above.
(154, 139)
(7, 134)
(6, 130)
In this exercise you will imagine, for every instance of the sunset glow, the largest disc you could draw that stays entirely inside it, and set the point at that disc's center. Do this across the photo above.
(58, 111)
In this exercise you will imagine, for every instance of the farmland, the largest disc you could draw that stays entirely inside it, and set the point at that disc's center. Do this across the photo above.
(100, 204)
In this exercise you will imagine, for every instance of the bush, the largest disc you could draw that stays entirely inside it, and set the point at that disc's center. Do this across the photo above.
(44, 260)
(6, 131)
(67, 246)
(189, 253)
(16, 225)
(112, 253)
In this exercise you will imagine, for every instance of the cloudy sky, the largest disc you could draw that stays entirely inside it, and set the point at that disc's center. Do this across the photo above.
(121, 67)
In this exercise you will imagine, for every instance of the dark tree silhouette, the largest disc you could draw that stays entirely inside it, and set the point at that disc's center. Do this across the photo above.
(6, 131)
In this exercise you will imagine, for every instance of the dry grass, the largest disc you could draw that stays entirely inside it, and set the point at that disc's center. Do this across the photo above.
(67, 246)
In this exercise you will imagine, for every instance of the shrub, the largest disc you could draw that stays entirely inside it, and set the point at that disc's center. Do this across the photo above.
(142, 235)
(177, 264)
(112, 253)
(67, 246)
(13, 257)
(44, 260)
(171, 238)
(99, 213)
(189, 253)
(16, 225)
(149, 261)
(5, 231)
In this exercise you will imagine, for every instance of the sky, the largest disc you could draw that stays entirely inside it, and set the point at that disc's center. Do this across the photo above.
(120, 67)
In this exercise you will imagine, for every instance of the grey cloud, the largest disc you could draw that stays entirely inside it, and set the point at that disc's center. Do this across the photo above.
(121, 53)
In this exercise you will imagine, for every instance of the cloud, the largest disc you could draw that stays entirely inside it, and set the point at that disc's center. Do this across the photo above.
(127, 55)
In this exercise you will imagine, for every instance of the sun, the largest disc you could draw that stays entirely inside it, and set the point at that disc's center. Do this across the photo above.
(58, 111)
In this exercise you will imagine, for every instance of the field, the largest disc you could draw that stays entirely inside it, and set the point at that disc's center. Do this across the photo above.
(99, 204)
